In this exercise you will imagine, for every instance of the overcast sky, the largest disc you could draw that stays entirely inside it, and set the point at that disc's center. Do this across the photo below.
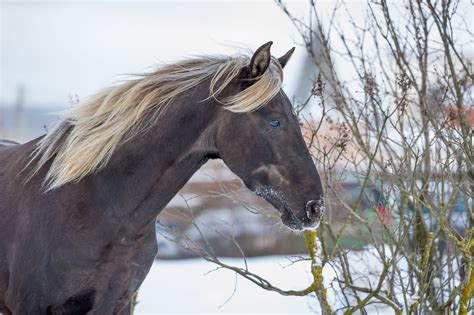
(62, 48)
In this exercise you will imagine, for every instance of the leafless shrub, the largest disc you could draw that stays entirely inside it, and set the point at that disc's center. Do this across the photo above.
(406, 113)
(400, 125)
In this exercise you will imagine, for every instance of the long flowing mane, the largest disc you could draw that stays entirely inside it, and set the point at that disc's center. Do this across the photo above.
(90, 132)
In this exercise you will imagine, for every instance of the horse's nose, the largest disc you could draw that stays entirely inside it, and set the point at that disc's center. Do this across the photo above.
(314, 211)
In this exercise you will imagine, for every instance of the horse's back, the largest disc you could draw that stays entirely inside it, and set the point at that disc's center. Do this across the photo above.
(13, 159)
(11, 154)
(4, 143)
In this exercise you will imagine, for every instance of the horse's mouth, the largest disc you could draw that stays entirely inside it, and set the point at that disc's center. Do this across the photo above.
(287, 215)
(289, 219)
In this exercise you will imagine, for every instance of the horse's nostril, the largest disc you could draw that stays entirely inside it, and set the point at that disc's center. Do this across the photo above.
(313, 210)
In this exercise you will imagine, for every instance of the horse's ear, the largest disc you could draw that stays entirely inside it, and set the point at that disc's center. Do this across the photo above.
(260, 60)
(284, 59)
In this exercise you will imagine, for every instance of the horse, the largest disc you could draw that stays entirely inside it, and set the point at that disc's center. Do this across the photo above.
(78, 205)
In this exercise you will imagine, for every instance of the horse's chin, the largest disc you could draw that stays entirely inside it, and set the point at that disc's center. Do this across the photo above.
(301, 229)
(290, 220)
(311, 228)
(294, 228)
(296, 225)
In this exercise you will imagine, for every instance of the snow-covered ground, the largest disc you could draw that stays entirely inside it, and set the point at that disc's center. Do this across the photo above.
(195, 286)
(191, 286)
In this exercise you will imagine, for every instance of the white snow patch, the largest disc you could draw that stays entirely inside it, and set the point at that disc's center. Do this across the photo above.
(185, 286)
(188, 286)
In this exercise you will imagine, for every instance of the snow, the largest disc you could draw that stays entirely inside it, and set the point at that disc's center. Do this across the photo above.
(196, 286)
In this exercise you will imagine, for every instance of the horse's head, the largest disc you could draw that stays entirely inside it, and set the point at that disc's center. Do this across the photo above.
(265, 148)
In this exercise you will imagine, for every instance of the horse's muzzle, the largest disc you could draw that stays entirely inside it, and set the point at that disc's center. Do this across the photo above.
(314, 214)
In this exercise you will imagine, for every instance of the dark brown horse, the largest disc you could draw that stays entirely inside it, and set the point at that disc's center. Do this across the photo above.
(78, 206)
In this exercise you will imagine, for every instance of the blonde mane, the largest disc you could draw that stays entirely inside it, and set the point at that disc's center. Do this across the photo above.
(91, 131)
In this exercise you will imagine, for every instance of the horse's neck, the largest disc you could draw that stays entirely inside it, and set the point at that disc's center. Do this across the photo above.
(146, 172)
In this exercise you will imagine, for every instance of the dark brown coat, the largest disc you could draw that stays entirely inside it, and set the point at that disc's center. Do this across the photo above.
(86, 247)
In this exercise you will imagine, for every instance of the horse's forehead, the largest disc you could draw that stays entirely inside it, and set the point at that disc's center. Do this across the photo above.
(281, 104)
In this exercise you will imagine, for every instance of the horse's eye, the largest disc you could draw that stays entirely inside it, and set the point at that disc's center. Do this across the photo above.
(274, 123)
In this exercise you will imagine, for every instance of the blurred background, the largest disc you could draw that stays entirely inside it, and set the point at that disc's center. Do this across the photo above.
(55, 53)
